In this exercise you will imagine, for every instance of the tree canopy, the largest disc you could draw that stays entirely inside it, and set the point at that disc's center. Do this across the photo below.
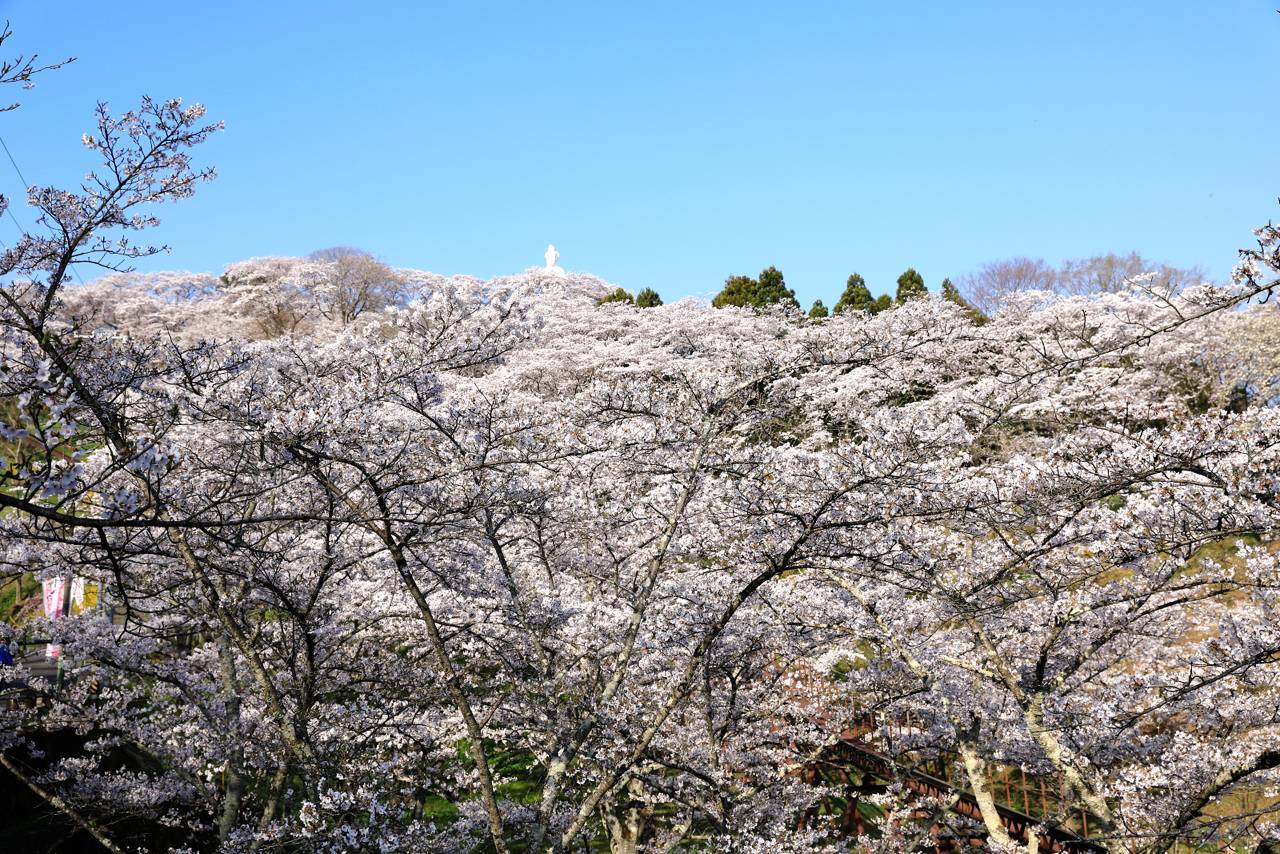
(992, 283)
(488, 568)
(910, 286)
(618, 295)
(766, 290)
(952, 294)
(648, 298)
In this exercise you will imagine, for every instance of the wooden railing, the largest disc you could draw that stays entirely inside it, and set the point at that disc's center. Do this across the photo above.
(888, 750)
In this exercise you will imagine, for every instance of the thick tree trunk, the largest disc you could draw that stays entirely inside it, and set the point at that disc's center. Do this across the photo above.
(234, 789)
(976, 769)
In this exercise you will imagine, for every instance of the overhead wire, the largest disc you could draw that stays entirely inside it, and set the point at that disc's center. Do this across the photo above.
(25, 186)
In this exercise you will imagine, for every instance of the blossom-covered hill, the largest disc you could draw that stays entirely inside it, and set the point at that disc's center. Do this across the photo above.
(643, 556)
(400, 562)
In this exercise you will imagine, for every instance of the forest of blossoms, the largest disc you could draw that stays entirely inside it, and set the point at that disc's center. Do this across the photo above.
(429, 564)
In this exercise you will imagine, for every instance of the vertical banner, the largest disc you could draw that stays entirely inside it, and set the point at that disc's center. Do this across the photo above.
(54, 590)
(54, 594)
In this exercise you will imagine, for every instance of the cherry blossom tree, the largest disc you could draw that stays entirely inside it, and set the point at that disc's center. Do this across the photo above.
(182, 305)
(355, 283)
(502, 568)
(270, 295)
(21, 68)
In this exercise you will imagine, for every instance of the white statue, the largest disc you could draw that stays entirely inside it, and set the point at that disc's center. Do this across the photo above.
(552, 257)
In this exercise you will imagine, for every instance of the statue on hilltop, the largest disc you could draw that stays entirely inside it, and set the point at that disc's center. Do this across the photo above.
(552, 256)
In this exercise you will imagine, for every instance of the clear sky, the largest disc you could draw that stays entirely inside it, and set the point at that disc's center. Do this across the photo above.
(671, 144)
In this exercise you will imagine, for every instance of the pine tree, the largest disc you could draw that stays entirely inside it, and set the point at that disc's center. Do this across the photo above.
(856, 296)
(883, 303)
(911, 285)
(737, 291)
(620, 295)
(951, 293)
(818, 309)
(648, 298)
(744, 291)
(772, 288)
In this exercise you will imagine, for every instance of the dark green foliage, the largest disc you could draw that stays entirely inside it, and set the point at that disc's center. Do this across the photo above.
(911, 285)
(773, 289)
(737, 291)
(856, 297)
(745, 292)
(818, 309)
(648, 298)
(883, 303)
(951, 293)
(619, 295)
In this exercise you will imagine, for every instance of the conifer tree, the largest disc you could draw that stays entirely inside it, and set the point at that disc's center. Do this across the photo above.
(818, 309)
(744, 291)
(737, 291)
(951, 293)
(648, 298)
(856, 296)
(911, 285)
(772, 289)
(619, 295)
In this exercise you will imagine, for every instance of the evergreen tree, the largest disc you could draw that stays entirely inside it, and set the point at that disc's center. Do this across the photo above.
(648, 298)
(911, 285)
(951, 293)
(744, 291)
(856, 296)
(771, 288)
(737, 291)
(620, 295)
(883, 303)
(818, 310)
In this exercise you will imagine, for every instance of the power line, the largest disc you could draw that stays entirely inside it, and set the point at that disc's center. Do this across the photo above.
(25, 186)
(9, 210)
(21, 177)
(13, 162)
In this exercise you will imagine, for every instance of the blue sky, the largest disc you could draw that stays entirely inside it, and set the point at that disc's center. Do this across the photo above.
(671, 144)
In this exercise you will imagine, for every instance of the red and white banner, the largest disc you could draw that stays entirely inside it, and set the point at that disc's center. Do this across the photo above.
(54, 593)
(54, 596)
